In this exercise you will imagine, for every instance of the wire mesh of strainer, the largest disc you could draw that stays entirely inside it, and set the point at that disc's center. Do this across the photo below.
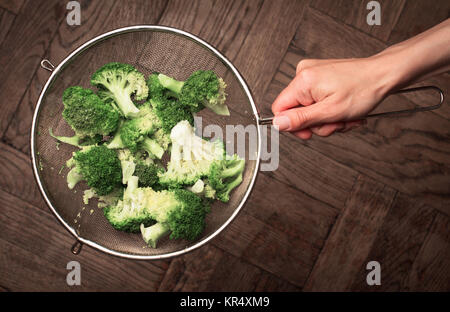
(148, 48)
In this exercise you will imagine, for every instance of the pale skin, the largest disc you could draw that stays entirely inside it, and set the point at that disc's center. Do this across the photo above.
(333, 95)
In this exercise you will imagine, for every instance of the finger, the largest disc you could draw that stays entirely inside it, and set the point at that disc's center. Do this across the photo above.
(327, 129)
(304, 134)
(307, 63)
(295, 94)
(302, 117)
(350, 125)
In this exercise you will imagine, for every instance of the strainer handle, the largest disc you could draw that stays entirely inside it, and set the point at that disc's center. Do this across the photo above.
(76, 247)
(268, 120)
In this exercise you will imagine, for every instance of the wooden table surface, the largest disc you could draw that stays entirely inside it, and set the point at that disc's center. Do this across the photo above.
(379, 193)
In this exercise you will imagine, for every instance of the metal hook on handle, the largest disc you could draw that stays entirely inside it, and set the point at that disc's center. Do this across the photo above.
(268, 120)
(46, 64)
(76, 247)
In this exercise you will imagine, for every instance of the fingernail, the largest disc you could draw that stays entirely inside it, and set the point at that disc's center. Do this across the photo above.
(282, 122)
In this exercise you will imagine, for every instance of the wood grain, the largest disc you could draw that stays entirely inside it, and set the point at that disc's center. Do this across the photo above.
(424, 14)
(355, 13)
(352, 237)
(99, 17)
(209, 268)
(224, 24)
(36, 26)
(6, 21)
(281, 230)
(397, 244)
(17, 177)
(431, 269)
(42, 264)
(12, 5)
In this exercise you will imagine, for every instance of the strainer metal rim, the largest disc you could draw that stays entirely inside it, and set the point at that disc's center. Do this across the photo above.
(82, 48)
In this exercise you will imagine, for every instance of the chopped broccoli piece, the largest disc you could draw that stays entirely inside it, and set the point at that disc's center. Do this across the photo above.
(87, 114)
(191, 156)
(181, 211)
(98, 165)
(202, 88)
(121, 82)
(153, 233)
(152, 148)
(224, 176)
(162, 138)
(147, 174)
(127, 162)
(170, 112)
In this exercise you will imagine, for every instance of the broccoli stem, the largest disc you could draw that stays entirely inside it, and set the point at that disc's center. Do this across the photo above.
(73, 177)
(152, 148)
(125, 103)
(170, 83)
(153, 233)
(74, 140)
(237, 167)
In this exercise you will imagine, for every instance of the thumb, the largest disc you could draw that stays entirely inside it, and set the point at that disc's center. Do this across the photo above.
(300, 117)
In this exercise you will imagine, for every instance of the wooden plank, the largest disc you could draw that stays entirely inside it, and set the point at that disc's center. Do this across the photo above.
(224, 24)
(17, 176)
(431, 269)
(355, 13)
(418, 16)
(6, 21)
(37, 249)
(267, 42)
(35, 26)
(209, 269)
(269, 282)
(12, 5)
(281, 230)
(409, 153)
(397, 244)
(352, 237)
(98, 17)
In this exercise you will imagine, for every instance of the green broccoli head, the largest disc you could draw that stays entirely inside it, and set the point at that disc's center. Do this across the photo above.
(121, 82)
(147, 174)
(99, 166)
(202, 88)
(191, 157)
(225, 175)
(133, 131)
(130, 212)
(180, 211)
(170, 112)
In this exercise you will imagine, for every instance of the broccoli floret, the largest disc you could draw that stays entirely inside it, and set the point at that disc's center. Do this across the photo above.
(191, 156)
(147, 174)
(170, 112)
(128, 164)
(98, 165)
(88, 116)
(202, 88)
(129, 212)
(122, 81)
(224, 176)
(162, 138)
(180, 211)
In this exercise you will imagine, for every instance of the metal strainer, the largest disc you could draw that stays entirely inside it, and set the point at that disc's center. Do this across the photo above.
(148, 48)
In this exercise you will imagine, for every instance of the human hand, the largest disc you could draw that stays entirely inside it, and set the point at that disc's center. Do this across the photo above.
(330, 95)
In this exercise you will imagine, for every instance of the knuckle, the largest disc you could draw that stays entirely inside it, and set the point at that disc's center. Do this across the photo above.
(305, 63)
